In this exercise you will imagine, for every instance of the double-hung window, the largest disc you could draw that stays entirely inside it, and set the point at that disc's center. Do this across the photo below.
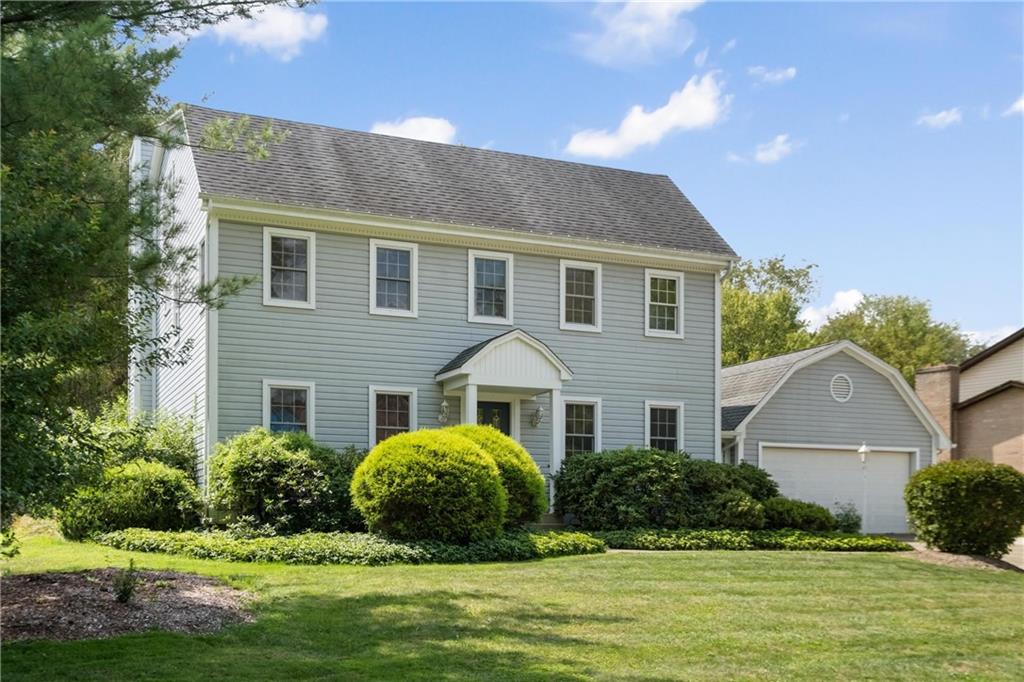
(582, 425)
(580, 296)
(392, 411)
(288, 405)
(663, 295)
(490, 287)
(663, 425)
(289, 268)
(393, 278)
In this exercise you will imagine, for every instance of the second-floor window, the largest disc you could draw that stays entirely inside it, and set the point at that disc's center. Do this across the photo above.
(289, 267)
(490, 287)
(664, 302)
(580, 296)
(393, 278)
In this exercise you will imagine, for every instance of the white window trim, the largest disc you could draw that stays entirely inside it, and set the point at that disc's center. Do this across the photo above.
(574, 326)
(288, 383)
(678, 405)
(650, 273)
(310, 237)
(596, 402)
(414, 259)
(372, 405)
(509, 281)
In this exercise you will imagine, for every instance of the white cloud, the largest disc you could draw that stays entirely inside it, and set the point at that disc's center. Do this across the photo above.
(772, 152)
(728, 47)
(699, 104)
(987, 337)
(942, 119)
(637, 31)
(772, 76)
(844, 117)
(701, 58)
(418, 128)
(733, 157)
(1015, 108)
(278, 30)
(842, 302)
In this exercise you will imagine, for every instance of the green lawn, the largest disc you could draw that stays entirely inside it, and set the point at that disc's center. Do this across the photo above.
(628, 615)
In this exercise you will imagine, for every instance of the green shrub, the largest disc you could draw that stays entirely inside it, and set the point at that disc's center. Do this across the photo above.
(782, 512)
(138, 494)
(967, 506)
(430, 485)
(254, 474)
(737, 509)
(336, 509)
(361, 549)
(633, 488)
(524, 484)
(702, 539)
(848, 519)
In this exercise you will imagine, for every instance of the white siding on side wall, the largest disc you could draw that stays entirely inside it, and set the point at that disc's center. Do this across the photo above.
(1005, 365)
(803, 411)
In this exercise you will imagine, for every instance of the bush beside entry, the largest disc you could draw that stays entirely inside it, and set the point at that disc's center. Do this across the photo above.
(430, 485)
(139, 494)
(524, 484)
(967, 506)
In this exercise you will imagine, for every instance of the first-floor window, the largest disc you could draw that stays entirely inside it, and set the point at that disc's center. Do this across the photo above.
(288, 406)
(582, 426)
(392, 411)
(664, 422)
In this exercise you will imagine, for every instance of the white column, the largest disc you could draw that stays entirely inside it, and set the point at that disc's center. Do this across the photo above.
(469, 405)
(557, 426)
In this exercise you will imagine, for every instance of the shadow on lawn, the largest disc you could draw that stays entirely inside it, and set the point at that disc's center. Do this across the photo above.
(417, 636)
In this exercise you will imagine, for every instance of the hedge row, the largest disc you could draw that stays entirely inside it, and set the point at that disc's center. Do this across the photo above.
(794, 540)
(362, 549)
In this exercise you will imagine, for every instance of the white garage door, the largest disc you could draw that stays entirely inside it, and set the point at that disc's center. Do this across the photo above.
(827, 477)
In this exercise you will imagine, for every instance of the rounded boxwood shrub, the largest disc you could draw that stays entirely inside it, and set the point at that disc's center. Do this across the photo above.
(139, 494)
(782, 512)
(967, 506)
(256, 475)
(524, 484)
(336, 509)
(430, 485)
(738, 509)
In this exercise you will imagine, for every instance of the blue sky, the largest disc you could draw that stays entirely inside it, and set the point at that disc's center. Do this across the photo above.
(883, 142)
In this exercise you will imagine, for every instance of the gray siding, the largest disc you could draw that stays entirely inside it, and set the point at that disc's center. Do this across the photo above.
(180, 390)
(343, 348)
(803, 411)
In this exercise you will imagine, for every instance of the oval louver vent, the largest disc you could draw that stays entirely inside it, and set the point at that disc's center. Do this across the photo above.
(841, 387)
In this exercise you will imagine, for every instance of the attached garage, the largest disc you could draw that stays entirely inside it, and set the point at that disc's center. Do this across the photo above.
(832, 425)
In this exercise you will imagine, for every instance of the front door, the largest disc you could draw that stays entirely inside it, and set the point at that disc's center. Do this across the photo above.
(498, 415)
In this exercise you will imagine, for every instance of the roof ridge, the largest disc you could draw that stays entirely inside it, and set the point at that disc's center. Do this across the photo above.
(819, 347)
(428, 142)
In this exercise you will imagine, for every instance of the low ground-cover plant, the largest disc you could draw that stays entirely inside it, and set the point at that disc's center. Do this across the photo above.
(524, 484)
(363, 549)
(782, 512)
(967, 506)
(430, 485)
(704, 539)
(635, 488)
(137, 494)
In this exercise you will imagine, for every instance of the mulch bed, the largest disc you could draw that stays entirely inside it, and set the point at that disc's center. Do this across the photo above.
(64, 606)
(934, 556)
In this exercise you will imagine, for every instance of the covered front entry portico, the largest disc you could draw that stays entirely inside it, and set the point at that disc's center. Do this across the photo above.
(502, 371)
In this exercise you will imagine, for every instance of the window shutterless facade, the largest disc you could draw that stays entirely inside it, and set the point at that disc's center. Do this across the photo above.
(663, 296)
(288, 405)
(663, 425)
(289, 268)
(580, 296)
(392, 411)
(490, 287)
(582, 425)
(394, 278)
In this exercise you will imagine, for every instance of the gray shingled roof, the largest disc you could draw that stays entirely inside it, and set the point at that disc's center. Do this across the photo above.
(322, 167)
(744, 386)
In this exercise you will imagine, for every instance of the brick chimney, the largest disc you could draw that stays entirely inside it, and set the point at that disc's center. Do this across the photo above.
(939, 389)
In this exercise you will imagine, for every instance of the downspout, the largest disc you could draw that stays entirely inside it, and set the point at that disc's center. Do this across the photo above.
(718, 362)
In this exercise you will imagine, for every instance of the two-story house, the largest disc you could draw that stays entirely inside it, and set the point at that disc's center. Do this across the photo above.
(400, 284)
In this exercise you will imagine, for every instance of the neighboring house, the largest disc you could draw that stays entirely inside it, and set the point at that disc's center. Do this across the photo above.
(400, 284)
(832, 425)
(980, 403)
